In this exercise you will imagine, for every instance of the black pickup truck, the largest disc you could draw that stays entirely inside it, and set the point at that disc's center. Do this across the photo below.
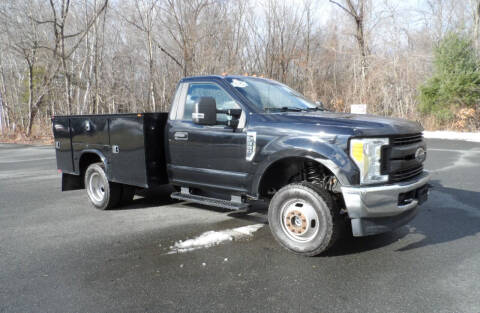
(231, 140)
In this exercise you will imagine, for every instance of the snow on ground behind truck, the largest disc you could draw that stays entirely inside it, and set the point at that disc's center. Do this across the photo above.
(451, 135)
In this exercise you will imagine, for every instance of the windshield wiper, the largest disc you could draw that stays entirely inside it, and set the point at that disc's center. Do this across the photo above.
(283, 109)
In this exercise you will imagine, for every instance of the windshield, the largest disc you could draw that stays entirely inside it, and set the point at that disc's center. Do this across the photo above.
(271, 96)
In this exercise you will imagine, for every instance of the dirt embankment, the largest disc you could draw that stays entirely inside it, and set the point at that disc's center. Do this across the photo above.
(22, 139)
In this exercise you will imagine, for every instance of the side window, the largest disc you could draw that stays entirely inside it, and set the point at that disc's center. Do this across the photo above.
(198, 90)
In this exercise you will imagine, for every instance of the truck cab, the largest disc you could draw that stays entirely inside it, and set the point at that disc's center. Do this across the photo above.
(231, 140)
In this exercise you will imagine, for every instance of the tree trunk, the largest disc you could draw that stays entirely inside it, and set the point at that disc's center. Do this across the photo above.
(31, 110)
(151, 67)
(96, 107)
(1, 114)
(476, 23)
(357, 13)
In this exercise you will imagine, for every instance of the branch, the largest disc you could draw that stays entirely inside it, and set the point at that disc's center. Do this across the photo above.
(87, 29)
(46, 48)
(133, 23)
(39, 22)
(46, 85)
(171, 56)
(72, 35)
(343, 8)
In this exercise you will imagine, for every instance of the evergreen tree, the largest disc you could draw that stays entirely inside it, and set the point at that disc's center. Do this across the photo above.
(456, 78)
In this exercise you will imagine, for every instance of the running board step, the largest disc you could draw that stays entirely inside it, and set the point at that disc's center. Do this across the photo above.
(210, 201)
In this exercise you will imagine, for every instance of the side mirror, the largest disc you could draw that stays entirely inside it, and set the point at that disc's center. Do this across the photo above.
(205, 111)
(234, 120)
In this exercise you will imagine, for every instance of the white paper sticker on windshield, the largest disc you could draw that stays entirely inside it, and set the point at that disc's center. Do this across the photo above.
(238, 83)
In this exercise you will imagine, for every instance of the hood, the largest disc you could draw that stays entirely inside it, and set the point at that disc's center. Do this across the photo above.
(354, 124)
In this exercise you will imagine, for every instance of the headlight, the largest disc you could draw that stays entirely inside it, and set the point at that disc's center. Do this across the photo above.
(367, 154)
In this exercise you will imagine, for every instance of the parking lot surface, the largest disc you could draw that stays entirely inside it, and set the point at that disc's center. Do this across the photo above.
(58, 254)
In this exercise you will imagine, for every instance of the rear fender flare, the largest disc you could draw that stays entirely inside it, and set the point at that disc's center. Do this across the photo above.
(97, 152)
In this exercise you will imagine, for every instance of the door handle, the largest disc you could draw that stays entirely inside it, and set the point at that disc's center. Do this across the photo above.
(181, 136)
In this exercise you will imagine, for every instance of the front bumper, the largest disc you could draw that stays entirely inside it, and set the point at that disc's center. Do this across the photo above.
(379, 209)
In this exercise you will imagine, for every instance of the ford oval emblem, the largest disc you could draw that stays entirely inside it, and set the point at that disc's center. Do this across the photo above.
(420, 155)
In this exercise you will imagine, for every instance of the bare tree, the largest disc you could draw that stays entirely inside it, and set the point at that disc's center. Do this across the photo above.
(476, 21)
(182, 18)
(146, 13)
(58, 23)
(100, 56)
(24, 38)
(356, 11)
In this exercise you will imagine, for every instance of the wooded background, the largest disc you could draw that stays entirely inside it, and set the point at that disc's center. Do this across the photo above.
(100, 56)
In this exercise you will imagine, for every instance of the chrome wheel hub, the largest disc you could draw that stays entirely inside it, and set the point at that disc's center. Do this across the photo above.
(96, 187)
(299, 220)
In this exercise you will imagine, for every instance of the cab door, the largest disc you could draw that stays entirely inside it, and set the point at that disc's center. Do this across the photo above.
(206, 156)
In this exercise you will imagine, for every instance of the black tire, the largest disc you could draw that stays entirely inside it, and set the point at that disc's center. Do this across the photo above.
(128, 192)
(103, 195)
(291, 213)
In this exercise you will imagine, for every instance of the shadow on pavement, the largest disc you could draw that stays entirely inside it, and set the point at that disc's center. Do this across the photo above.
(150, 198)
(352, 245)
(161, 196)
(257, 207)
(451, 214)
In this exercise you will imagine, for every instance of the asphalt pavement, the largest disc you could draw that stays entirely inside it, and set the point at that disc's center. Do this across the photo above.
(58, 254)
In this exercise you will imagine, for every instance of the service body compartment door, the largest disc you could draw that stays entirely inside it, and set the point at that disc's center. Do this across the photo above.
(127, 161)
(89, 133)
(63, 144)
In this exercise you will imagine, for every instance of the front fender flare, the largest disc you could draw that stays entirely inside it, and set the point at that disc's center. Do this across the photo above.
(332, 156)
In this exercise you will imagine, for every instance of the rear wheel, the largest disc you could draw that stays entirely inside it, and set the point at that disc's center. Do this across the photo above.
(304, 219)
(103, 194)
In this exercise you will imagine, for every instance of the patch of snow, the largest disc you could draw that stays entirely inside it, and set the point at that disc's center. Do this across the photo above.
(451, 135)
(213, 238)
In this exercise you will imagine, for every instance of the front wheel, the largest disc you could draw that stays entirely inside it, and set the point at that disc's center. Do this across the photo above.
(304, 219)
(103, 194)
